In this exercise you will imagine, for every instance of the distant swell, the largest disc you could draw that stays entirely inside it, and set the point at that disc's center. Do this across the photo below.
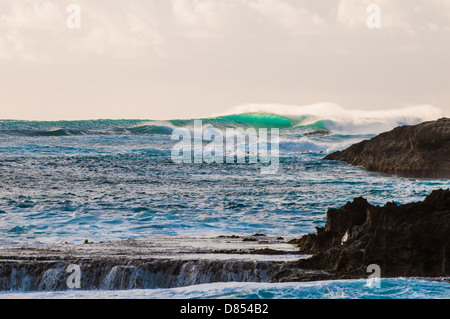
(31, 132)
(58, 132)
(151, 129)
(318, 117)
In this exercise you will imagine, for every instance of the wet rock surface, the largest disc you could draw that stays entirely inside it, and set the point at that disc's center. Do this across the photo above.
(164, 262)
(404, 241)
(411, 240)
(412, 151)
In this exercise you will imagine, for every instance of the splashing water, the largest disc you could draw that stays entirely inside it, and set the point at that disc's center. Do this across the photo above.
(114, 179)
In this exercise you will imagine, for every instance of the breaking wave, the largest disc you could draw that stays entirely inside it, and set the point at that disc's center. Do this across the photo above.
(332, 117)
(316, 117)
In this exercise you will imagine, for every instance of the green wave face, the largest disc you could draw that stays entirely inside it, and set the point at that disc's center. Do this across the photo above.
(256, 120)
(246, 120)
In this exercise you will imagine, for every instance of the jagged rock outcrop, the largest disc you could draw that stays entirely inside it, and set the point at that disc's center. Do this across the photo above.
(412, 151)
(406, 240)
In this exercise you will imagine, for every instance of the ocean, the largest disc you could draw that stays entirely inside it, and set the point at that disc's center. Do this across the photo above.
(108, 180)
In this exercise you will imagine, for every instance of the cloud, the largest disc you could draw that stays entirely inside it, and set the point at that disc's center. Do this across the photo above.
(211, 18)
(408, 16)
(35, 30)
(27, 25)
(30, 14)
(296, 19)
(201, 18)
(121, 29)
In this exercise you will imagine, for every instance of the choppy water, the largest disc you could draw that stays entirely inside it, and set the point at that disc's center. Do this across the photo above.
(400, 288)
(108, 180)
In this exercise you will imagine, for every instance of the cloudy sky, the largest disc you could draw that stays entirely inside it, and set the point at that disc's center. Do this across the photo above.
(161, 59)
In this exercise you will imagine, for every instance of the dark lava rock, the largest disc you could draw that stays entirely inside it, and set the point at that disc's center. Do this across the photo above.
(322, 132)
(412, 151)
(258, 235)
(407, 240)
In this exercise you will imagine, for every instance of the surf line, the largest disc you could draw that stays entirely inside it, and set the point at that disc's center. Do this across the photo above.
(235, 146)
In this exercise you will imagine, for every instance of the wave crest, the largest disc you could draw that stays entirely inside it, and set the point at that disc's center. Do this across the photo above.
(334, 117)
(316, 117)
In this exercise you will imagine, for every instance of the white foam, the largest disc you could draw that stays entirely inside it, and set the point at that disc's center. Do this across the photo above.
(344, 120)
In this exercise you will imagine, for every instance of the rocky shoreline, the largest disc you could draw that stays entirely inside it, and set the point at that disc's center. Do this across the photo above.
(421, 151)
(411, 240)
(146, 263)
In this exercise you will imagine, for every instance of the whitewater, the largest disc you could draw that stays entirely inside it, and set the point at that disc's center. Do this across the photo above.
(109, 180)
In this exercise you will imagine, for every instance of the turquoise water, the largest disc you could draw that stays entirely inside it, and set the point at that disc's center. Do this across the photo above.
(114, 179)
(400, 288)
